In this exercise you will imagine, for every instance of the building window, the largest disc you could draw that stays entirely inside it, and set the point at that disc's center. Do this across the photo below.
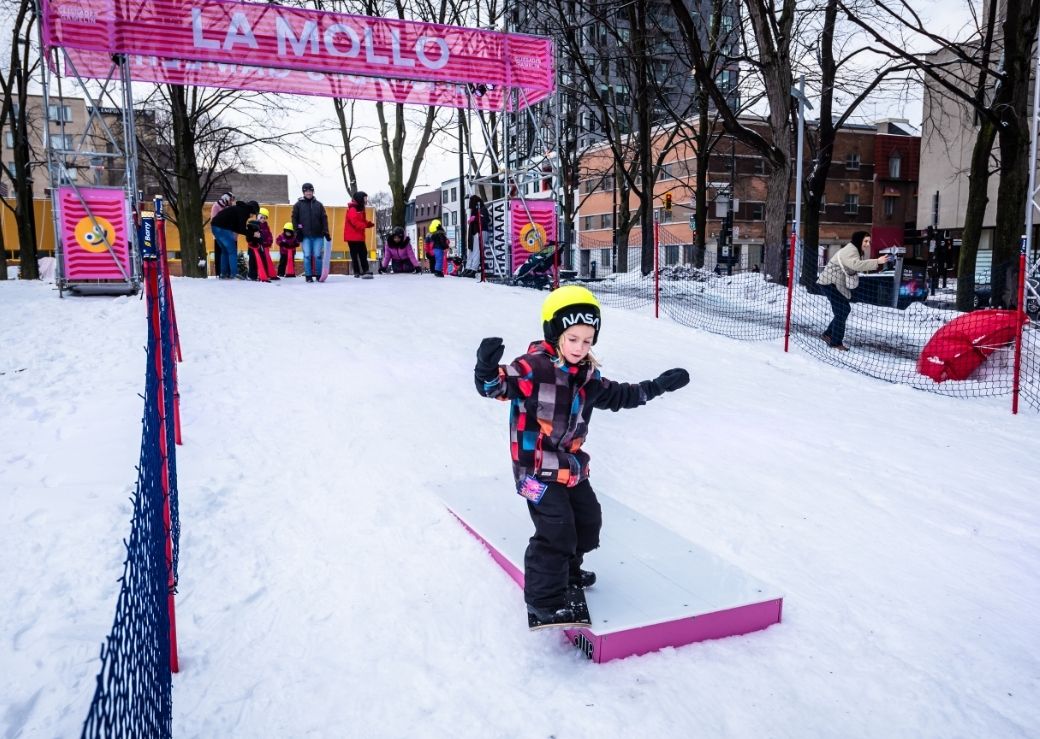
(454, 196)
(606, 220)
(671, 254)
(895, 165)
(9, 139)
(67, 175)
(586, 223)
(666, 216)
(852, 160)
(760, 166)
(890, 206)
(10, 168)
(758, 211)
(851, 205)
(604, 257)
(666, 173)
(62, 141)
(59, 113)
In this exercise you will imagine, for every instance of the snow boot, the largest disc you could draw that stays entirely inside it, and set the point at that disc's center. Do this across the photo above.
(584, 579)
(540, 617)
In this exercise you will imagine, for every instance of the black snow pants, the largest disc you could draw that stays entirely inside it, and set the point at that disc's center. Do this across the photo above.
(358, 257)
(566, 526)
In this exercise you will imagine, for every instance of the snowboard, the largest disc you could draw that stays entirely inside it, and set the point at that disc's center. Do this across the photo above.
(576, 600)
(326, 261)
(257, 267)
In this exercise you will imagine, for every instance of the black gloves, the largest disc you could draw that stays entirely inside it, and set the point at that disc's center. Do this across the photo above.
(489, 354)
(671, 380)
(668, 381)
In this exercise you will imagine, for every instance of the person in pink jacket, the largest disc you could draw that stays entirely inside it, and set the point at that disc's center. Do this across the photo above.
(354, 225)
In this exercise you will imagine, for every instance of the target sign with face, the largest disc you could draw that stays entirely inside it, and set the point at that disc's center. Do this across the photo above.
(94, 234)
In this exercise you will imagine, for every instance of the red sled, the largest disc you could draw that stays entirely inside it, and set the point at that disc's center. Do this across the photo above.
(958, 348)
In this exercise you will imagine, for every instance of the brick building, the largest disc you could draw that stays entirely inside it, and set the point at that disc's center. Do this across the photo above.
(859, 195)
(427, 208)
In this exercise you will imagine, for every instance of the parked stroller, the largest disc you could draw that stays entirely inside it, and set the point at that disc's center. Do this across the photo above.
(537, 270)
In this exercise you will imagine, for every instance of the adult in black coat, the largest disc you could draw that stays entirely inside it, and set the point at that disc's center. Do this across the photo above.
(226, 227)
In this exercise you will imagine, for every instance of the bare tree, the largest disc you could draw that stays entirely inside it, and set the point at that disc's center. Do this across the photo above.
(989, 74)
(14, 110)
(403, 158)
(836, 54)
(198, 137)
(768, 45)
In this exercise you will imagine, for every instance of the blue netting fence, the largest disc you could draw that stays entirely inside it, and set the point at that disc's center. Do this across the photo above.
(894, 313)
(133, 693)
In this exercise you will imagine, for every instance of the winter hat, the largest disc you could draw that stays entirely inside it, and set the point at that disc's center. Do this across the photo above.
(567, 306)
(252, 207)
(434, 225)
(307, 186)
(288, 226)
(398, 231)
(359, 196)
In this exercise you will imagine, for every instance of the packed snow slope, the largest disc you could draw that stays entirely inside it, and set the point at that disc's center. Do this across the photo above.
(326, 592)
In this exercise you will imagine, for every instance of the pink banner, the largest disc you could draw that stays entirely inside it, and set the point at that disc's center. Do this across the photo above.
(208, 74)
(93, 248)
(531, 233)
(334, 45)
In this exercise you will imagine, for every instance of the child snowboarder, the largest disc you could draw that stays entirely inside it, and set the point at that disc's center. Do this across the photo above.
(287, 244)
(553, 389)
(254, 238)
(260, 265)
(439, 241)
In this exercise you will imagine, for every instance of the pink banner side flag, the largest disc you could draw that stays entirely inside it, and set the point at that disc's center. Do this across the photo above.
(531, 233)
(337, 46)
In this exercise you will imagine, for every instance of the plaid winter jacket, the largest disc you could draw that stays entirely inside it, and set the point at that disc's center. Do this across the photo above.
(552, 402)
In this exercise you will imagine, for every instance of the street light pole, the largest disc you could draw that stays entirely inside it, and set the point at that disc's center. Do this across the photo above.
(802, 104)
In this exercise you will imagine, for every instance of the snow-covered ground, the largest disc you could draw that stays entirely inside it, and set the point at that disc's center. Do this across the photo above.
(325, 591)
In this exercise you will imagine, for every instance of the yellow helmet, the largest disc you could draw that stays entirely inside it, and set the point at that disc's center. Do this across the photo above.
(265, 212)
(288, 226)
(567, 306)
(434, 225)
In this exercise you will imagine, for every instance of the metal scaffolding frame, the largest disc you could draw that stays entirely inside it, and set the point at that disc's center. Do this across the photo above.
(1029, 285)
(96, 145)
(546, 141)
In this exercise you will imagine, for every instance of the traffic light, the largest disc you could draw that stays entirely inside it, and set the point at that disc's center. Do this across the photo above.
(726, 231)
(668, 202)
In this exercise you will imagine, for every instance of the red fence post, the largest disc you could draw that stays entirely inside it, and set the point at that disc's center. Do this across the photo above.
(480, 241)
(1021, 324)
(160, 240)
(151, 271)
(790, 290)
